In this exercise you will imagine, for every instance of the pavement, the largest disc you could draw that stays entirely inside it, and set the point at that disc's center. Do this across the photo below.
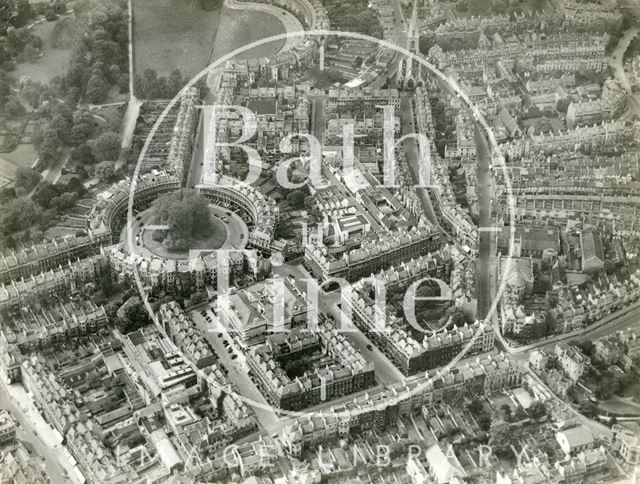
(616, 60)
(627, 317)
(386, 372)
(194, 177)
(237, 231)
(133, 104)
(317, 117)
(402, 40)
(238, 373)
(408, 126)
(36, 432)
(51, 174)
(486, 271)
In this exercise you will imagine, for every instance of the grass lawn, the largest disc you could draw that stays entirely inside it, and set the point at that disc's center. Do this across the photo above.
(633, 391)
(177, 34)
(54, 61)
(326, 78)
(172, 34)
(619, 407)
(242, 27)
(23, 155)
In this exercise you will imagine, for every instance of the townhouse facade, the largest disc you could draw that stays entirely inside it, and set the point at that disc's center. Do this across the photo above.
(346, 372)
(383, 406)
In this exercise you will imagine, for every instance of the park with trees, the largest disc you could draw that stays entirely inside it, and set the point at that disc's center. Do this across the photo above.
(64, 125)
(186, 214)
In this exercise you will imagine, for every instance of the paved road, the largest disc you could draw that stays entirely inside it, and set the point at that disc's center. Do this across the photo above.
(627, 317)
(599, 430)
(486, 252)
(238, 374)
(401, 40)
(386, 372)
(408, 125)
(51, 174)
(616, 63)
(317, 117)
(197, 159)
(133, 103)
(35, 432)
(617, 56)
(407, 122)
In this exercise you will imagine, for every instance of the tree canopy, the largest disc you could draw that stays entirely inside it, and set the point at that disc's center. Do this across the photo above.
(107, 146)
(187, 215)
(18, 214)
(27, 178)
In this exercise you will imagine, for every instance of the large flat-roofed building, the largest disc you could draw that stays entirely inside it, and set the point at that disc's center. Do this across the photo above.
(575, 439)
(529, 241)
(592, 251)
(261, 309)
(351, 226)
(164, 367)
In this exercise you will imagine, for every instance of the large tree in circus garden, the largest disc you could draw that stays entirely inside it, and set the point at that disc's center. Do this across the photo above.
(186, 213)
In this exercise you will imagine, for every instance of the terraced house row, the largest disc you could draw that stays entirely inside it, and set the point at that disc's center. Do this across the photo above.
(372, 255)
(383, 406)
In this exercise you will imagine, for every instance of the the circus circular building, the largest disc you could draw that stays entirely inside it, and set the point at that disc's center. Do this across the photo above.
(241, 217)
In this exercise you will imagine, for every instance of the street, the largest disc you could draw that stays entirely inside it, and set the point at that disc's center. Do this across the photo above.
(51, 174)
(34, 431)
(317, 117)
(238, 372)
(407, 122)
(617, 57)
(627, 317)
(386, 372)
(486, 250)
(401, 40)
(196, 166)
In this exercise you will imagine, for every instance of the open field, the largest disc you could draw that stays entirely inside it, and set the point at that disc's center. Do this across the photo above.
(53, 62)
(23, 155)
(241, 27)
(168, 36)
(172, 34)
